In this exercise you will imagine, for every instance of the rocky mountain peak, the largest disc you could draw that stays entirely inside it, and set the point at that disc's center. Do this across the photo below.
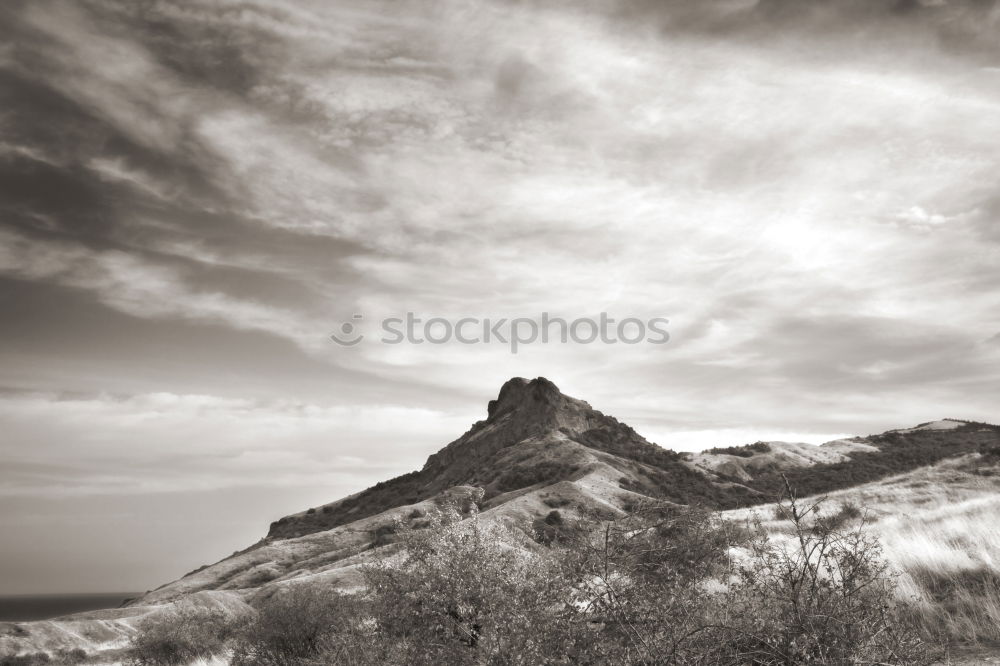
(519, 393)
(524, 409)
(530, 407)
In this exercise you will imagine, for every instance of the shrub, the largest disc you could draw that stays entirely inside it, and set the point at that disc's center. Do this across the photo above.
(745, 451)
(296, 625)
(383, 534)
(554, 529)
(823, 596)
(521, 477)
(847, 512)
(644, 581)
(463, 595)
(180, 636)
(665, 587)
(31, 659)
(991, 454)
(72, 656)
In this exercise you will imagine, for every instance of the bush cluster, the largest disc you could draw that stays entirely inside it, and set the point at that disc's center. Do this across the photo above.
(522, 477)
(664, 585)
(181, 636)
(60, 658)
(745, 451)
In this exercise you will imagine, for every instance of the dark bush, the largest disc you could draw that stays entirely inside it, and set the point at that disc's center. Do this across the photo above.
(548, 471)
(26, 659)
(72, 656)
(383, 534)
(847, 512)
(745, 451)
(991, 453)
(62, 657)
(553, 528)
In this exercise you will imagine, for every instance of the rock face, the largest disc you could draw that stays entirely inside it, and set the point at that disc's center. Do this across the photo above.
(523, 410)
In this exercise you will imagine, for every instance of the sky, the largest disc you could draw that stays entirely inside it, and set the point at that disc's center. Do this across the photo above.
(195, 195)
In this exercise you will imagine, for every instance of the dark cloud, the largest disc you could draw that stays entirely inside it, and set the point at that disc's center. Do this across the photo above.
(211, 55)
(967, 27)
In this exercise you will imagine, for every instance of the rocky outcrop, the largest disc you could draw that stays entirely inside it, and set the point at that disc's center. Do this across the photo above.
(522, 410)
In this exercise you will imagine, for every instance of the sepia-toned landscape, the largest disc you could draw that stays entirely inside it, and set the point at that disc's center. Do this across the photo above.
(499, 332)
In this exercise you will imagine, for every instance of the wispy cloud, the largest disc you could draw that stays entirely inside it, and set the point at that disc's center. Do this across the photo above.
(57, 445)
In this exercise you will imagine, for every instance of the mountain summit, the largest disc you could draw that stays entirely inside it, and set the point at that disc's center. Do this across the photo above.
(537, 400)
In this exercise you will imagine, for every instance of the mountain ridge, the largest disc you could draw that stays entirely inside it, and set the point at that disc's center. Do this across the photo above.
(533, 433)
(560, 434)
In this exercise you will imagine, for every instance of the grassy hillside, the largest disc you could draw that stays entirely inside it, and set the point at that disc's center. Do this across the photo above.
(939, 530)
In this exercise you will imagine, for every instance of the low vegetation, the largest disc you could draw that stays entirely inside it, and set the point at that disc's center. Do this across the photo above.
(300, 625)
(182, 636)
(745, 451)
(664, 585)
(546, 471)
(60, 658)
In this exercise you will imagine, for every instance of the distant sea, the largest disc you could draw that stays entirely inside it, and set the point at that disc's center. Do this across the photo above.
(26, 607)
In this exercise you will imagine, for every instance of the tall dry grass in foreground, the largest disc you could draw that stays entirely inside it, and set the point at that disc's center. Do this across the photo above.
(949, 556)
(940, 531)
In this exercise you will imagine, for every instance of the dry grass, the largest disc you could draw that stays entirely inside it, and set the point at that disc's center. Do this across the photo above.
(949, 556)
(940, 530)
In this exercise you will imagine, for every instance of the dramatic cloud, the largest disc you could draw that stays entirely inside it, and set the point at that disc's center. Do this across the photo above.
(194, 195)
